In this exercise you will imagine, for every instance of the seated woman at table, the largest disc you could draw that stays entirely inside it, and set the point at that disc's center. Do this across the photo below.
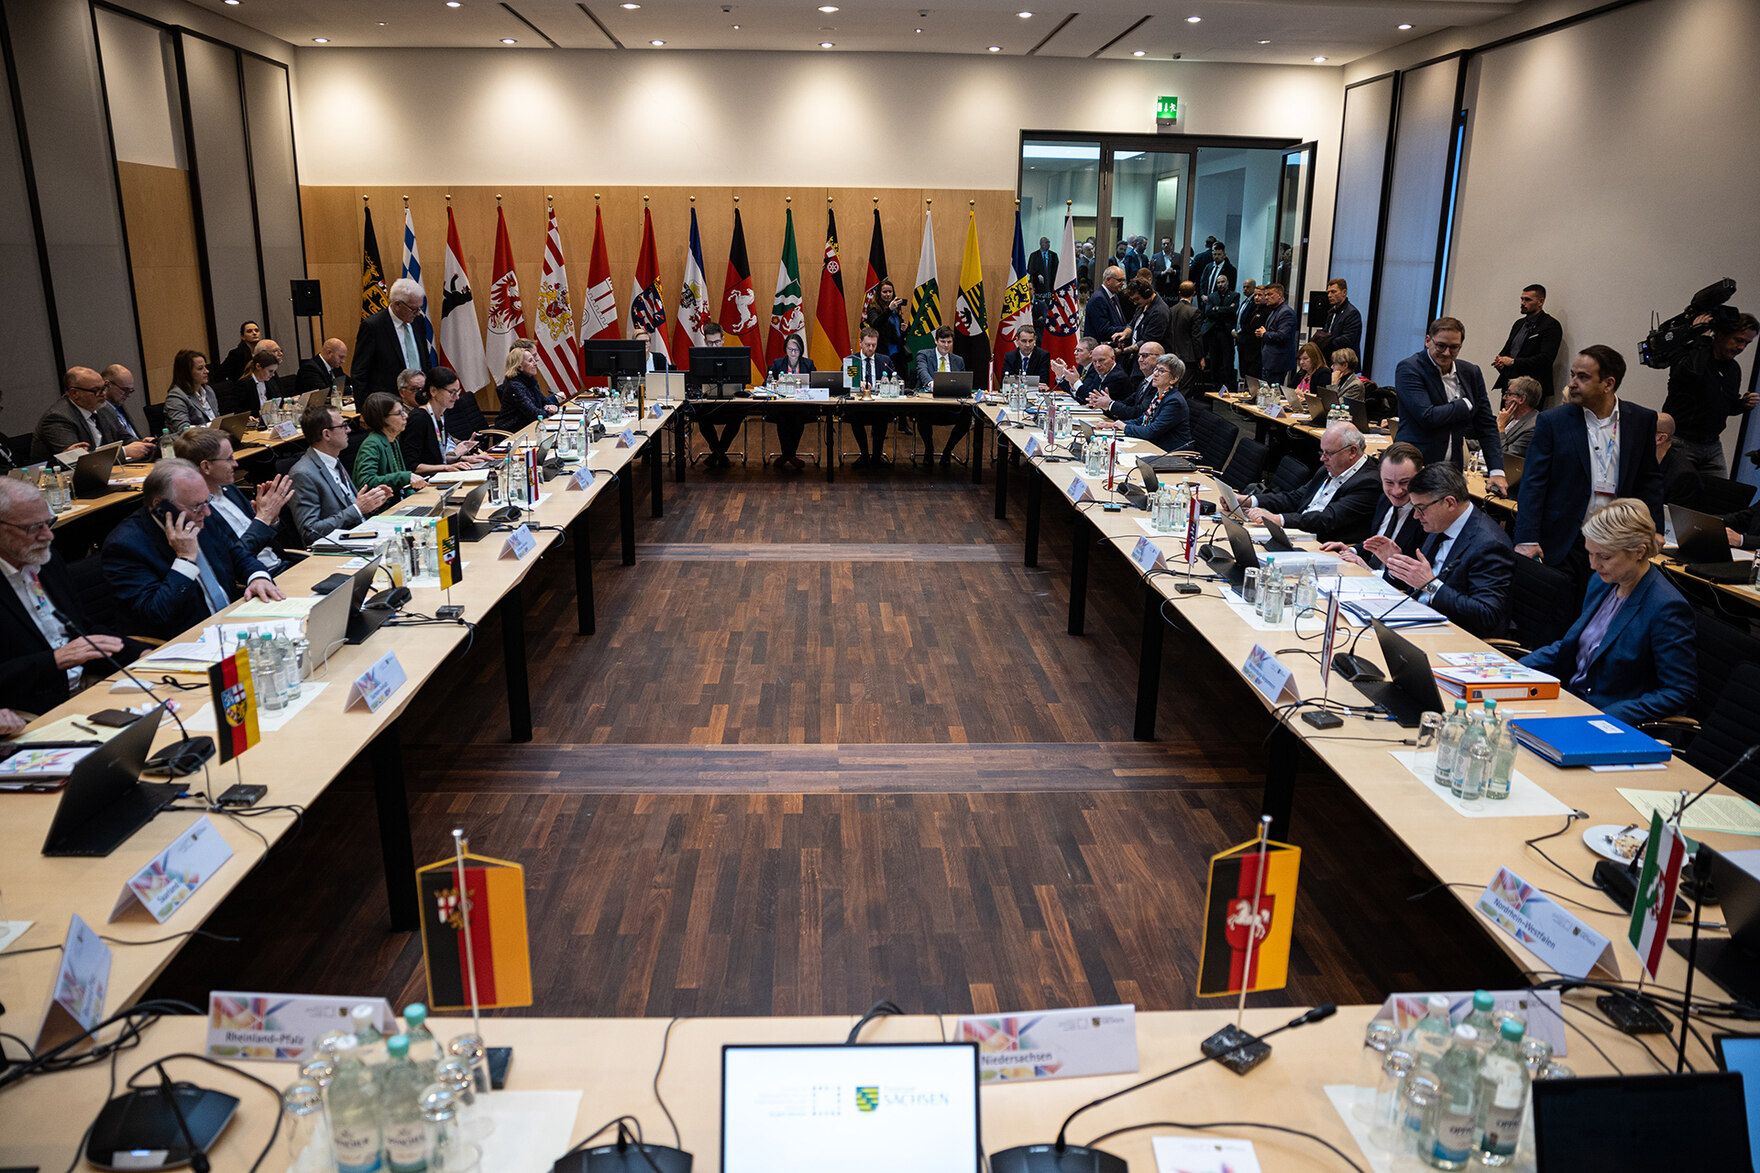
(428, 443)
(190, 403)
(380, 459)
(522, 400)
(792, 422)
(1347, 376)
(1631, 652)
(1311, 377)
(1166, 422)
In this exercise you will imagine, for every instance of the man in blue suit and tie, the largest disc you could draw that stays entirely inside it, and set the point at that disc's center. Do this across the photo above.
(1105, 316)
(1277, 337)
(1464, 567)
(1442, 403)
(929, 364)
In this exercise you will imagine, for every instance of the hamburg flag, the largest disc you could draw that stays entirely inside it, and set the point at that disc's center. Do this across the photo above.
(831, 339)
(497, 951)
(558, 350)
(446, 541)
(412, 268)
(373, 298)
(599, 306)
(507, 317)
(926, 297)
(1062, 319)
(235, 704)
(1231, 919)
(971, 325)
(737, 315)
(1653, 908)
(461, 339)
(693, 299)
(647, 305)
(876, 260)
(787, 318)
(1017, 300)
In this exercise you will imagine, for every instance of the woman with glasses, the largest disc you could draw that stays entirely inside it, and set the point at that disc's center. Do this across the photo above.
(380, 459)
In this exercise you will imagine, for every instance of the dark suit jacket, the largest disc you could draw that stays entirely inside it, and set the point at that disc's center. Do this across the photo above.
(150, 597)
(1408, 537)
(1539, 352)
(1557, 480)
(1646, 665)
(317, 375)
(1277, 348)
(1042, 268)
(1104, 316)
(29, 679)
(658, 362)
(780, 366)
(378, 359)
(1220, 315)
(1348, 517)
(1182, 334)
(1130, 395)
(929, 360)
(1207, 281)
(1681, 482)
(420, 442)
(62, 426)
(1476, 577)
(241, 395)
(1439, 427)
(1038, 363)
(232, 366)
(1343, 329)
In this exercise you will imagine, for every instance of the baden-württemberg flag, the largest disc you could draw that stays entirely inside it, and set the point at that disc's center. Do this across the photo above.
(926, 297)
(971, 327)
(1653, 906)
(373, 297)
(235, 704)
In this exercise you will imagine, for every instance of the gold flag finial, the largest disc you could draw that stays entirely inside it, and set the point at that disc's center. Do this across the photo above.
(971, 203)
(595, 197)
(498, 199)
(406, 201)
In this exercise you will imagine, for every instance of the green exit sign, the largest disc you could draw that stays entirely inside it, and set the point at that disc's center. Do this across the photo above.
(1167, 106)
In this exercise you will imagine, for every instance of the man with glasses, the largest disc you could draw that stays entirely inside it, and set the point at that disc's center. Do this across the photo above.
(45, 660)
(324, 497)
(168, 568)
(1464, 566)
(389, 342)
(253, 523)
(1105, 316)
(79, 419)
(1338, 502)
(1443, 404)
(118, 386)
(1392, 520)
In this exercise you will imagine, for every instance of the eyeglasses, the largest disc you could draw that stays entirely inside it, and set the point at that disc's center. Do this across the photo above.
(31, 527)
(1325, 455)
(1418, 507)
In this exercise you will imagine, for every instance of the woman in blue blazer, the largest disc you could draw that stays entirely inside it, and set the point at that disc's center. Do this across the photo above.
(1631, 653)
(1166, 422)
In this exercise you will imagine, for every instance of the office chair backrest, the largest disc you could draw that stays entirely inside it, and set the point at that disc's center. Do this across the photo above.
(1728, 730)
(1543, 603)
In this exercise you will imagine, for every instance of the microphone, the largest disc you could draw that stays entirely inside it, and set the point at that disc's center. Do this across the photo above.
(198, 1160)
(1354, 667)
(180, 757)
(1063, 1157)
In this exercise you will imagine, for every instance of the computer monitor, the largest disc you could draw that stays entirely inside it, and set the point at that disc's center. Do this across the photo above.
(1741, 1054)
(105, 801)
(719, 364)
(1241, 557)
(1733, 962)
(874, 1108)
(614, 356)
(1691, 1121)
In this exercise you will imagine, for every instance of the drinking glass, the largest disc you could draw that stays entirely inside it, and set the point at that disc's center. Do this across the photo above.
(1424, 756)
(308, 1141)
(1389, 1106)
(448, 1151)
(1381, 1036)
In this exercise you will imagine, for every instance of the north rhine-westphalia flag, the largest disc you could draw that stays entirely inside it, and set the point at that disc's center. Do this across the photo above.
(559, 352)
(1062, 316)
(647, 305)
(787, 318)
(599, 306)
(1017, 302)
(693, 299)
(876, 260)
(1653, 908)
(498, 953)
(831, 339)
(373, 296)
(1232, 919)
(446, 539)
(461, 337)
(925, 297)
(235, 704)
(737, 316)
(971, 326)
(507, 317)
(412, 268)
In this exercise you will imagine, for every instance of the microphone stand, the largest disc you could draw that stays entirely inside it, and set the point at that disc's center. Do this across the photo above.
(180, 757)
(1354, 667)
(198, 1160)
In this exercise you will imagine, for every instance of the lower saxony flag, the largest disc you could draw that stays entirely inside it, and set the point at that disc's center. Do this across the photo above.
(1232, 920)
(235, 704)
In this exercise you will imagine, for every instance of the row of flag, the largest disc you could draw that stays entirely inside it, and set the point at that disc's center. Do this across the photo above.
(459, 342)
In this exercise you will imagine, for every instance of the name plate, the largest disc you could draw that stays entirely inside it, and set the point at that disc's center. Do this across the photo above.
(1033, 447)
(1052, 1044)
(280, 1027)
(82, 983)
(1269, 675)
(654, 412)
(519, 543)
(1275, 410)
(581, 478)
(174, 874)
(819, 394)
(627, 439)
(1079, 491)
(285, 430)
(1002, 415)
(376, 684)
(1563, 942)
(1147, 555)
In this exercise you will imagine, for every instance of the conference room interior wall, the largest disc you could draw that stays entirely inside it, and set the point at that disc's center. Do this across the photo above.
(27, 351)
(1616, 162)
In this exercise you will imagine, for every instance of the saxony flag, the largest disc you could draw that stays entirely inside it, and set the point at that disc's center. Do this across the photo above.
(926, 297)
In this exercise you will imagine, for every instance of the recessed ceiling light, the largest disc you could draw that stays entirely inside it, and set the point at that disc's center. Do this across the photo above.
(452, 3)
(1319, 59)
(1404, 27)
(919, 30)
(1137, 53)
(736, 28)
(1194, 19)
(508, 41)
(320, 40)
(234, 3)
(1264, 42)
(1024, 15)
(827, 44)
(996, 48)
(632, 7)
(827, 8)
(656, 42)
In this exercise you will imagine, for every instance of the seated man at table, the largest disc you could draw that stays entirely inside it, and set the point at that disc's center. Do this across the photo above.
(1109, 381)
(79, 419)
(412, 388)
(719, 423)
(322, 370)
(1027, 358)
(1121, 396)
(118, 387)
(324, 498)
(868, 367)
(1338, 501)
(252, 523)
(1393, 520)
(655, 359)
(1166, 419)
(1073, 376)
(255, 387)
(168, 568)
(44, 660)
(1464, 567)
(929, 364)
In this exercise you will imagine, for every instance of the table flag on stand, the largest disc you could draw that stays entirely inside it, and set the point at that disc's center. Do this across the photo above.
(830, 314)
(787, 319)
(235, 704)
(737, 316)
(494, 898)
(1246, 940)
(1664, 852)
(446, 538)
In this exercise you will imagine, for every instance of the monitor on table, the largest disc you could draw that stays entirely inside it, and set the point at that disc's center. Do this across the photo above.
(1741, 1054)
(614, 356)
(716, 365)
(1692, 1121)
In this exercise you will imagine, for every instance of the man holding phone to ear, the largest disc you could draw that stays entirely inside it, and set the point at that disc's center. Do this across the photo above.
(169, 569)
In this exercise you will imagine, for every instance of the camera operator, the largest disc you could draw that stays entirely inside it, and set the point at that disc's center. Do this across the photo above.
(1704, 390)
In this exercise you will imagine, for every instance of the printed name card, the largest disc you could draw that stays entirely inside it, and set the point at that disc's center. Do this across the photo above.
(627, 439)
(1269, 675)
(1078, 491)
(1002, 415)
(1033, 446)
(76, 1003)
(1052, 1044)
(1563, 942)
(280, 1027)
(582, 478)
(174, 874)
(1275, 410)
(519, 543)
(819, 394)
(654, 412)
(1147, 555)
(285, 430)
(376, 684)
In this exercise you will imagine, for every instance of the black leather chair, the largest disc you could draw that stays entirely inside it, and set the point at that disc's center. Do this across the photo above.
(1214, 437)
(1543, 603)
(1289, 475)
(1245, 464)
(1719, 495)
(1728, 730)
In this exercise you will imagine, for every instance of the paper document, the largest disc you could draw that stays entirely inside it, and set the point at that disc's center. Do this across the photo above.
(294, 607)
(1730, 813)
(473, 476)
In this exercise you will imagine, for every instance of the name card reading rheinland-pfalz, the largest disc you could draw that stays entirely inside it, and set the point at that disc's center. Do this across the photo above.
(627, 439)
(519, 543)
(581, 478)
(1033, 447)
(376, 684)
(174, 874)
(82, 983)
(1147, 555)
(1563, 942)
(1269, 675)
(1052, 1044)
(282, 1027)
(1079, 491)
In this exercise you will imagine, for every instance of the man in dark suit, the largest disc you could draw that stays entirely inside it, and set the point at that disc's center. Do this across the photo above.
(320, 372)
(1246, 331)
(1532, 346)
(929, 363)
(1071, 376)
(1338, 501)
(1109, 387)
(44, 660)
(1216, 268)
(1393, 519)
(1585, 452)
(80, 418)
(1216, 337)
(118, 387)
(1344, 325)
(1443, 403)
(1464, 567)
(868, 367)
(1042, 268)
(1105, 317)
(1027, 358)
(1182, 331)
(390, 342)
(253, 523)
(1277, 337)
(1164, 269)
(169, 567)
(1680, 480)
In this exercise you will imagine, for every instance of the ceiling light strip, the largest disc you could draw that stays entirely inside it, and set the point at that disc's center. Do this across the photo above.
(515, 13)
(1052, 33)
(1120, 37)
(609, 36)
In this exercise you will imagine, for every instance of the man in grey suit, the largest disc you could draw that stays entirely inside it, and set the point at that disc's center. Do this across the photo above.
(324, 496)
(80, 418)
(929, 362)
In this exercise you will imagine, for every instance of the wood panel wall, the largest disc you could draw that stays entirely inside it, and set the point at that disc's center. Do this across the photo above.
(333, 232)
(167, 274)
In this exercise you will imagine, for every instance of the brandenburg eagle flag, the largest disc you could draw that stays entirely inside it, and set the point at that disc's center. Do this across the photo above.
(1233, 919)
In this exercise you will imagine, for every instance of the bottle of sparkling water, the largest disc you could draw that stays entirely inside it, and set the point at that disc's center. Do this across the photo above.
(1307, 590)
(1503, 1096)
(353, 1101)
(1479, 1018)
(1503, 760)
(1271, 590)
(1448, 743)
(371, 1044)
(1471, 736)
(166, 452)
(1456, 1133)
(424, 1049)
(1430, 1037)
(400, 1104)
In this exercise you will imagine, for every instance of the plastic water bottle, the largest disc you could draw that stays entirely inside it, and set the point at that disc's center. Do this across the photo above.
(1307, 590)
(1472, 736)
(1479, 1018)
(1271, 588)
(1430, 1037)
(1456, 1132)
(271, 691)
(1268, 575)
(401, 1084)
(371, 1043)
(1503, 1096)
(353, 1101)
(424, 1049)
(165, 449)
(1503, 761)
(1448, 743)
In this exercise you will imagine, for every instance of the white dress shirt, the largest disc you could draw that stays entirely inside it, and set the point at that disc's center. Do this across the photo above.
(1442, 553)
(1329, 487)
(42, 612)
(1603, 458)
(240, 521)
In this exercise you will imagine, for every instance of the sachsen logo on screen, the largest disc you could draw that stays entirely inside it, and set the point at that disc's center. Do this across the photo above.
(867, 1099)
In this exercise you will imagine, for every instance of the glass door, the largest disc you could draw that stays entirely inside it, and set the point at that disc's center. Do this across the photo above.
(1058, 176)
(1295, 192)
(1148, 206)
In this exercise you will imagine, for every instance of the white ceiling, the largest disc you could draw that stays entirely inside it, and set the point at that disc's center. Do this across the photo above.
(1228, 30)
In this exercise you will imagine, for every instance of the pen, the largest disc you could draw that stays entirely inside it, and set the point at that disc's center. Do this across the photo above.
(87, 728)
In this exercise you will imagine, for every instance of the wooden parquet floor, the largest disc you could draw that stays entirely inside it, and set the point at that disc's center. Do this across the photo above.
(832, 744)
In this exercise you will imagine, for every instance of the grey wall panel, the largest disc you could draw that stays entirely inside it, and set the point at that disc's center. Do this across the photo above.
(1362, 165)
(221, 181)
(270, 116)
(27, 350)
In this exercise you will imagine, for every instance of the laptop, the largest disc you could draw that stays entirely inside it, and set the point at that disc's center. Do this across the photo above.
(235, 425)
(1170, 462)
(1741, 1054)
(1231, 504)
(472, 528)
(364, 620)
(432, 509)
(827, 380)
(1244, 556)
(327, 623)
(1701, 543)
(1512, 472)
(104, 800)
(1733, 962)
(953, 384)
(91, 472)
(1410, 688)
(870, 1108)
(1277, 541)
(1590, 1125)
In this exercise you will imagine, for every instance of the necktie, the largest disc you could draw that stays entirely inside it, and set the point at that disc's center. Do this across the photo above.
(127, 424)
(406, 333)
(211, 587)
(943, 362)
(92, 427)
(868, 371)
(1521, 338)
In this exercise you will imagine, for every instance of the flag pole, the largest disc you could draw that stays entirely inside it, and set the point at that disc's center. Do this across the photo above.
(1252, 928)
(459, 846)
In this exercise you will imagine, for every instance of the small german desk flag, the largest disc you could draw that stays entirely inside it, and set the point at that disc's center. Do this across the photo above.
(495, 894)
(446, 538)
(235, 704)
(1231, 919)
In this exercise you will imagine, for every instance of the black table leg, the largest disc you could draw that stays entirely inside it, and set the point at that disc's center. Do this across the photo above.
(1035, 487)
(1001, 463)
(1283, 756)
(656, 477)
(1149, 665)
(830, 428)
(977, 447)
(681, 444)
(513, 651)
(385, 756)
(626, 514)
(579, 536)
(1078, 578)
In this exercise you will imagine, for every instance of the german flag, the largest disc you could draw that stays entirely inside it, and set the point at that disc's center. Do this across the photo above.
(1231, 919)
(494, 893)
(235, 704)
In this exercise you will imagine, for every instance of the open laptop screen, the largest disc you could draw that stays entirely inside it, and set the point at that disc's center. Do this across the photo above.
(872, 1108)
(1640, 1122)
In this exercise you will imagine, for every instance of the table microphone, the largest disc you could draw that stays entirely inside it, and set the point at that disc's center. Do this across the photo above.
(198, 1160)
(1063, 1157)
(1354, 667)
(180, 757)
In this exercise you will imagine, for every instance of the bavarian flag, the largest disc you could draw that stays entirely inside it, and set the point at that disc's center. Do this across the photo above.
(446, 538)
(494, 897)
(373, 297)
(1232, 920)
(925, 298)
(235, 704)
